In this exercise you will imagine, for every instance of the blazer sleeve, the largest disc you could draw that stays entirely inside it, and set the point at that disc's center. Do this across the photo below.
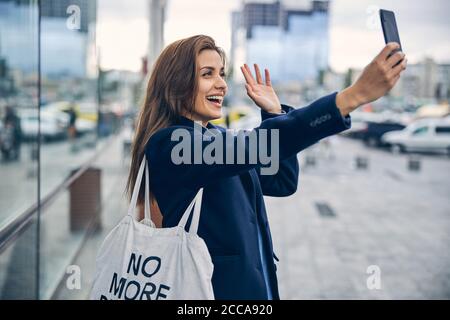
(296, 131)
(284, 183)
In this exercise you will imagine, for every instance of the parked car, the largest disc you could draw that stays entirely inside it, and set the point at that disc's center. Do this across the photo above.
(375, 130)
(86, 114)
(370, 127)
(84, 126)
(425, 135)
(53, 124)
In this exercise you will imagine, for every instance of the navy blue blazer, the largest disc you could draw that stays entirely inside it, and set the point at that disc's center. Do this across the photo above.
(233, 200)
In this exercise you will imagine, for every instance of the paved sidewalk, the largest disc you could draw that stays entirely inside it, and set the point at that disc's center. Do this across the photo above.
(386, 216)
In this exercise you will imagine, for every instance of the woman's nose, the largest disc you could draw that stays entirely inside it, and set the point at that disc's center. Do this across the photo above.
(221, 84)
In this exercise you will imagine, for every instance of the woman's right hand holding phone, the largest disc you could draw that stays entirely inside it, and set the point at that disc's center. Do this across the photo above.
(377, 79)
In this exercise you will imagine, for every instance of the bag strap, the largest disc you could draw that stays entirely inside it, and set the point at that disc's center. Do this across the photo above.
(147, 212)
(137, 185)
(197, 204)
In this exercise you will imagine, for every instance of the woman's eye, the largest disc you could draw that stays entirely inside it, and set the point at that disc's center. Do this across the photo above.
(210, 73)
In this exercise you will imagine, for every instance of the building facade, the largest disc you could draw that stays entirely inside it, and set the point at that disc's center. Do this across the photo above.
(289, 38)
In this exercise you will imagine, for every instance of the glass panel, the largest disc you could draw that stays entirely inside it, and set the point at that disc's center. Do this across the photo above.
(18, 265)
(18, 145)
(18, 96)
(69, 126)
(69, 88)
(114, 169)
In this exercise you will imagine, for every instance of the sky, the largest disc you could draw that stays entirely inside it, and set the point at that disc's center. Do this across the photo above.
(355, 31)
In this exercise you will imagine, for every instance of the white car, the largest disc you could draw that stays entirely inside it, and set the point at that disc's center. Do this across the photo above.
(425, 135)
(53, 124)
(85, 126)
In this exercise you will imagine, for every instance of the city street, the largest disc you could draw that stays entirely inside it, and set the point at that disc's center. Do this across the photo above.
(340, 221)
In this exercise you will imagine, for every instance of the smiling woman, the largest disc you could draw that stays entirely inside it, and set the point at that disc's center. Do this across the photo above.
(211, 87)
(186, 89)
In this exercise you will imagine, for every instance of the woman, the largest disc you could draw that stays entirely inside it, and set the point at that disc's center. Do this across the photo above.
(186, 89)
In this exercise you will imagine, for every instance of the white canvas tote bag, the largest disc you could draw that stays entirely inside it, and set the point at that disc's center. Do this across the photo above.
(141, 262)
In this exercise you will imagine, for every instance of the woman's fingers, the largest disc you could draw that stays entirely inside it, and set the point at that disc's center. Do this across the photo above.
(259, 79)
(395, 58)
(387, 50)
(401, 66)
(249, 72)
(267, 75)
(250, 91)
(248, 76)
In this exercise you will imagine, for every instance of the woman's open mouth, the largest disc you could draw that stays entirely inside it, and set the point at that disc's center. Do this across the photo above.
(215, 100)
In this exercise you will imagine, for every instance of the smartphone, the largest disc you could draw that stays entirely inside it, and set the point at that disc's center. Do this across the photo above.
(390, 30)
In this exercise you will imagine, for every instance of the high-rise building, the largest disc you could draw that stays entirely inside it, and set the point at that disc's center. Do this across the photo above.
(11, 24)
(289, 38)
(426, 80)
(59, 9)
(68, 37)
(261, 14)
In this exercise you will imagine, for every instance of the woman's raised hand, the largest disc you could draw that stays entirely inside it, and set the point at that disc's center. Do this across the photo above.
(261, 92)
(377, 79)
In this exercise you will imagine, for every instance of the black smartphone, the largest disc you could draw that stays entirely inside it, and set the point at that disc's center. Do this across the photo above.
(390, 30)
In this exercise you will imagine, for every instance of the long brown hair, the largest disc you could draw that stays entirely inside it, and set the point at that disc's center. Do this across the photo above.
(170, 93)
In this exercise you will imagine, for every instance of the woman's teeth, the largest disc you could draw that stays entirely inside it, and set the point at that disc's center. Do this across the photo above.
(214, 97)
(216, 100)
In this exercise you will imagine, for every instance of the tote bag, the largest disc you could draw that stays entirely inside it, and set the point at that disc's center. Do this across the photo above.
(138, 261)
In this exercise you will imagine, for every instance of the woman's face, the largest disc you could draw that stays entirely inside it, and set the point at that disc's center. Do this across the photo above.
(211, 86)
